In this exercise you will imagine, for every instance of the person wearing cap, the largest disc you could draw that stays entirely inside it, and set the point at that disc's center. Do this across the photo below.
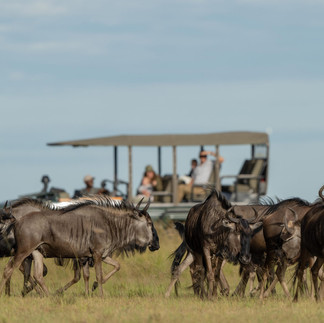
(90, 189)
(149, 183)
(200, 176)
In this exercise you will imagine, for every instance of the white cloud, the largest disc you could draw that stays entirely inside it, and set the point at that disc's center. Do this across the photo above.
(31, 8)
(18, 76)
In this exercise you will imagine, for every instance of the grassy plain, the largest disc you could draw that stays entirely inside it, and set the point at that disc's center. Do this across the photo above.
(136, 294)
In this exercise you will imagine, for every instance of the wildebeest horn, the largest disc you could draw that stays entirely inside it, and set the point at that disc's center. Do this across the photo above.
(257, 217)
(139, 203)
(320, 192)
(147, 205)
(286, 222)
(235, 220)
(5, 206)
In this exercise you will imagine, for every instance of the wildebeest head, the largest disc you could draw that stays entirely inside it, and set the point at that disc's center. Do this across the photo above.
(6, 218)
(146, 234)
(7, 239)
(239, 237)
(291, 236)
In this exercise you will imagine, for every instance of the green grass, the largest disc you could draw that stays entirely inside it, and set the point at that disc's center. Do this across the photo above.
(136, 294)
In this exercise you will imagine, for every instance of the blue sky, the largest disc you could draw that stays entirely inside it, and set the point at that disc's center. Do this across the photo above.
(79, 69)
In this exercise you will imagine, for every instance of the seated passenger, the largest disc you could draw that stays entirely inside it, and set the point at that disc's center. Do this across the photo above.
(186, 179)
(149, 183)
(89, 189)
(200, 176)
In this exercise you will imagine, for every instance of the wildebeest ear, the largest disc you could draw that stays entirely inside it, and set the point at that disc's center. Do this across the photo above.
(256, 227)
(228, 224)
(137, 214)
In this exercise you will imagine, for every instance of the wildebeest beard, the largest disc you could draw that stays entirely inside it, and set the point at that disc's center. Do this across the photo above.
(131, 249)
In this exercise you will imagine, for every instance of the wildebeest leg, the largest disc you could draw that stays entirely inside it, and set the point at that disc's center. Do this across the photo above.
(197, 277)
(76, 278)
(321, 288)
(268, 268)
(38, 270)
(181, 268)
(217, 274)
(315, 269)
(111, 262)
(210, 273)
(224, 285)
(252, 276)
(7, 290)
(303, 262)
(240, 288)
(86, 276)
(280, 275)
(198, 272)
(98, 268)
(13, 264)
(25, 268)
(271, 287)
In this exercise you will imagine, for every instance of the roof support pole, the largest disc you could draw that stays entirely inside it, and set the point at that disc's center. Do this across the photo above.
(174, 176)
(159, 160)
(252, 152)
(130, 173)
(115, 169)
(217, 170)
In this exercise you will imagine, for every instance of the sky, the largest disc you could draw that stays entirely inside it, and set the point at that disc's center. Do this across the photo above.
(78, 69)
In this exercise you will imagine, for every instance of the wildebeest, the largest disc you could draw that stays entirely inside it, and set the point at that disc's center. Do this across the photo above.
(21, 208)
(277, 245)
(7, 239)
(312, 245)
(93, 228)
(210, 231)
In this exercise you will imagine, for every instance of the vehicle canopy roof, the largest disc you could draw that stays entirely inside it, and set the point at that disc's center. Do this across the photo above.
(220, 138)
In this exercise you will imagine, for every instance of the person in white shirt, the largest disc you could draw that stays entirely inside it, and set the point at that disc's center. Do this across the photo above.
(200, 176)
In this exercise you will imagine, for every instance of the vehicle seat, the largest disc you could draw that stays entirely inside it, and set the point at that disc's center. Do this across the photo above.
(165, 195)
(248, 180)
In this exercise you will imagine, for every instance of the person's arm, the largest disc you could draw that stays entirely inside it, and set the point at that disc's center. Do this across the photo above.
(212, 153)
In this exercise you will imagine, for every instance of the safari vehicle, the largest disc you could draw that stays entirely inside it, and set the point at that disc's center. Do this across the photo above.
(242, 188)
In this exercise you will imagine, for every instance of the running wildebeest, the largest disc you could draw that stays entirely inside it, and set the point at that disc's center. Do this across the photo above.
(23, 207)
(94, 228)
(7, 239)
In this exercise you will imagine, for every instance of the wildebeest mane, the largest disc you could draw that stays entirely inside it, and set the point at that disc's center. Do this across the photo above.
(101, 201)
(35, 202)
(273, 206)
(221, 198)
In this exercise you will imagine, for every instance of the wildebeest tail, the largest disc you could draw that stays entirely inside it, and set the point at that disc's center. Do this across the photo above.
(63, 262)
(180, 228)
(179, 253)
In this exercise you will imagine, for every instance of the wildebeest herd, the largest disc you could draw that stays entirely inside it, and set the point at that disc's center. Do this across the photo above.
(264, 239)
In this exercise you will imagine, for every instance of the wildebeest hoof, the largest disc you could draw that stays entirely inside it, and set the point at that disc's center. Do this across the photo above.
(59, 291)
(94, 286)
